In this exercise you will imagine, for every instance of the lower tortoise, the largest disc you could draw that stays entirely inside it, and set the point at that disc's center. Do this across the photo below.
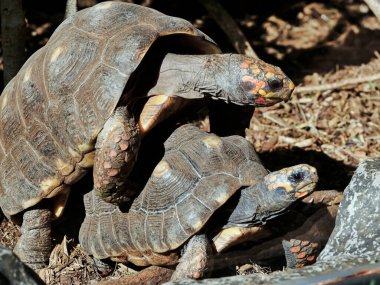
(199, 173)
(106, 76)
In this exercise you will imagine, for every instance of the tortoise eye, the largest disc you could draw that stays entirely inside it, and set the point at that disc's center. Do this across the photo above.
(275, 83)
(297, 176)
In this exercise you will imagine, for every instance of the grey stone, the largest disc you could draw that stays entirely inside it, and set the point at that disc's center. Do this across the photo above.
(14, 272)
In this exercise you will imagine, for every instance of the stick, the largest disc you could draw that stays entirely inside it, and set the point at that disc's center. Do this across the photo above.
(374, 5)
(229, 26)
(71, 8)
(344, 84)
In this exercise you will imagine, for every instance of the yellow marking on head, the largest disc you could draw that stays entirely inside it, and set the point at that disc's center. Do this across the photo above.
(63, 167)
(56, 53)
(27, 74)
(262, 92)
(269, 94)
(269, 75)
(48, 184)
(161, 168)
(255, 69)
(291, 85)
(213, 141)
(288, 188)
(272, 178)
(304, 167)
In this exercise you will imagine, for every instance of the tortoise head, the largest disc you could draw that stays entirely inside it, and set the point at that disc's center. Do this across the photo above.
(265, 200)
(272, 195)
(255, 82)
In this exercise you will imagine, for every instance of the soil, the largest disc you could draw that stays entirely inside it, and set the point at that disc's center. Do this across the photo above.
(330, 50)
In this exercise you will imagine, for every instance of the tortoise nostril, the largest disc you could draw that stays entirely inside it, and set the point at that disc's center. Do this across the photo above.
(275, 83)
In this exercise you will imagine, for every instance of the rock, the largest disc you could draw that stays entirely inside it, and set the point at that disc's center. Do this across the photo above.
(14, 272)
(353, 247)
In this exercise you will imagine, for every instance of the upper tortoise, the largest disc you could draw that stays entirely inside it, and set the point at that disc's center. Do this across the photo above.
(73, 105)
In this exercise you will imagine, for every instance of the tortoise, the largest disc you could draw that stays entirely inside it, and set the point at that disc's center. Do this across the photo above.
(199, 173)
(107, 75)
(352, 253)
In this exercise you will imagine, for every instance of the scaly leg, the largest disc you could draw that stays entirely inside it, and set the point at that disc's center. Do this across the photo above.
(195, 259)
(116, 152)
(34, 245)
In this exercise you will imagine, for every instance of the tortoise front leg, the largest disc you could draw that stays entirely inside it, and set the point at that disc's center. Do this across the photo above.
(195, 259)
(116, 152)
(35, 244)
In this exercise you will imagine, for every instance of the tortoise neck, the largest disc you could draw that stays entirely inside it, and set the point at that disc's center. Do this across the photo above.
(190, 76)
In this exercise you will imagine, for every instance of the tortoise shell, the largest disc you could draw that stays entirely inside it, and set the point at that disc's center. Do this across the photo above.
(197, 175)
(53, 109)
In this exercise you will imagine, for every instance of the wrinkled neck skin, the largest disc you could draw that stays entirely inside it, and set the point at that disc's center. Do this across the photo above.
(191, 76)
(256, 205)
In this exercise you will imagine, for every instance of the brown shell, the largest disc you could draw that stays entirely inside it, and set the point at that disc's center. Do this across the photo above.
(53, 110)
(198, 174)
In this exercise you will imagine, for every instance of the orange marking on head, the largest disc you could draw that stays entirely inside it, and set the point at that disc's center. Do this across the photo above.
(255, 69)
(259, 85)
(245, 64)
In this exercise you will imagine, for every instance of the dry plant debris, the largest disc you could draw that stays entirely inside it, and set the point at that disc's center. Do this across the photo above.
(315, 24)
(343, 123)
(9, 233)
(251, 268)
(68, 264)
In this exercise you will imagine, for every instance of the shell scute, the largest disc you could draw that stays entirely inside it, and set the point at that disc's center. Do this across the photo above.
(173, 233)
(138, 39)
(167, 190)
(68, 61)
(16, 189)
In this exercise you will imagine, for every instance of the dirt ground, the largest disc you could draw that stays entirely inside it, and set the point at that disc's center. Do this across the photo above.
(329, 48)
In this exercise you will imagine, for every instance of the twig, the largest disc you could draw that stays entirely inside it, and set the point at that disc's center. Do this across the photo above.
(374, 5)
(13, 37)
(71, 8)
(344, 84)
(146, 3)
(229, 26)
